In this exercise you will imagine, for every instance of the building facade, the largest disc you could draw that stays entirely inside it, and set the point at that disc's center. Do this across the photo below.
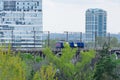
(21, 23)
(95, 24)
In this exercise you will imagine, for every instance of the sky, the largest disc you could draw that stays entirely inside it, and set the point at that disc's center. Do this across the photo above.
(69, 15)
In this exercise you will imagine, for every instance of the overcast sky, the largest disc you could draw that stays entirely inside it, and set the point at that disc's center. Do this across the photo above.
(69, 15)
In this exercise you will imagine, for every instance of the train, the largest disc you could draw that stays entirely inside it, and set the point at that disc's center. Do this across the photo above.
(60, 44)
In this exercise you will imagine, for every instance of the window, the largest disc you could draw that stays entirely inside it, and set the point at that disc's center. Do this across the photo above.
(31, 7)
(39, 10)
(28, 8)
(37, 3)
(17, 3)
(17, 8)
(3, 19)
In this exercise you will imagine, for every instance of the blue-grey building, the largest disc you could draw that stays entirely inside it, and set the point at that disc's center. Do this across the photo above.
(21, 23)
(95, 24)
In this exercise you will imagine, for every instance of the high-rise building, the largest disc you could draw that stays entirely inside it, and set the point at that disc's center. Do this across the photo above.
(21, 23)
(95, 24)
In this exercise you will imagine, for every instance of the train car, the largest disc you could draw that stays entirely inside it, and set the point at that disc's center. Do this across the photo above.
(60, 45)
(71, 44)
(80, 44)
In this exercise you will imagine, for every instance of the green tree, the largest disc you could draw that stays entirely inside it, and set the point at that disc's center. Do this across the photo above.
(17, 66)
(114, 42)
(66, 69)
(106, 66)
(11, 66)
(45, 73)
(100, 41)
(33, 62)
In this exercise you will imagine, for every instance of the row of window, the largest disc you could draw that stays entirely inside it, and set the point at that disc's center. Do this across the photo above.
(18, 9)
(21, 15)
(28, 3)
(22, 21)
(11, 6)
(22, 9)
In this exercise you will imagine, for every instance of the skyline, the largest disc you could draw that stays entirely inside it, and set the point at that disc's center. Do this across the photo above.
(69, 15)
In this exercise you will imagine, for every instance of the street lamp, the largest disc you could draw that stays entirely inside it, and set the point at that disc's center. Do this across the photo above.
(109, 39)
(95, 39)
(48, 36)
(66, 35)
(80, 36)
(34, 36)
(12, 39)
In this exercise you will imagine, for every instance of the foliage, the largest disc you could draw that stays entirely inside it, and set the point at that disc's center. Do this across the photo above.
(32, 62)
(37, 76)
(101, 41)
(67, 70)
(83, 68)
(67, 66)
(45, 73)
(106, 66)
(114, 42)
(30, 58)
(17, 66)
(12, 67)
(90, 45)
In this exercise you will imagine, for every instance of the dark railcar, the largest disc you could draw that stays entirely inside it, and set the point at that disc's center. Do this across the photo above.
(71, 44)
(80, 44)
(59, 45)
